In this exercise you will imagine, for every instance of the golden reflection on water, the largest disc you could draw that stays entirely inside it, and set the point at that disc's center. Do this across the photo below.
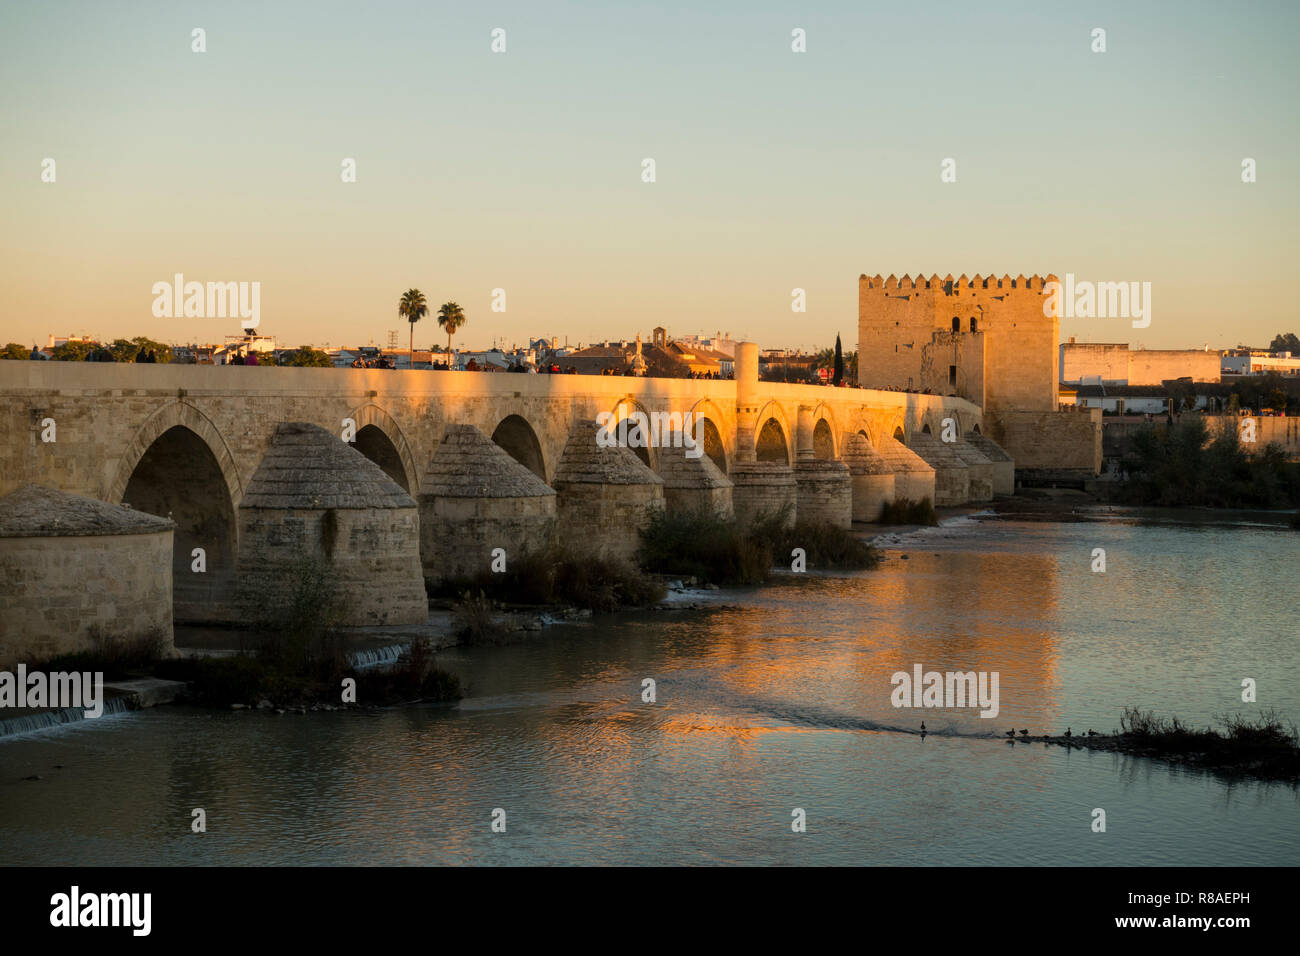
(784, 702)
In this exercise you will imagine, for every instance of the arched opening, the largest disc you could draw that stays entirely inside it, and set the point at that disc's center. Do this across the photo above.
(975, 429)
(635, 436)
(956, 324)
(713, 446)
(925, 429)
(974, 324)
(379, 448)
(898, 434)
(178, 478)
(823, 443)
(771, 444)
(517, 437)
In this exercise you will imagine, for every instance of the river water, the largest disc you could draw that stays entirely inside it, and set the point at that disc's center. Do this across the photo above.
(782, 705)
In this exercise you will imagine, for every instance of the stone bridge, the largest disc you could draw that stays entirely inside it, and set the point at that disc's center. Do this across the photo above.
(184, 441)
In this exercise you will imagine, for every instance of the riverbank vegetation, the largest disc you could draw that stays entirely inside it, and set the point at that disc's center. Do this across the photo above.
(719, 550)
(298, 658)
(907, 511)
(1264, 746)
(315, 681)
(552, 576)
(115, 656)
(1188, 464)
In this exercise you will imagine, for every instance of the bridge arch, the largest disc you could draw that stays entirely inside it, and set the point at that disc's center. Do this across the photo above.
(164, 419)
(178, 467)
(772, 435)
(716, 433)
(624, 408)
(380, 439)
(825, 429)
(518, 439)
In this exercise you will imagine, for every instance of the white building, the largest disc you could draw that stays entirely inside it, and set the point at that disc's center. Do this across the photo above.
(1255, 363)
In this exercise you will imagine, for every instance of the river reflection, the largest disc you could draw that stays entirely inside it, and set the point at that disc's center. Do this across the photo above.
(783, 704)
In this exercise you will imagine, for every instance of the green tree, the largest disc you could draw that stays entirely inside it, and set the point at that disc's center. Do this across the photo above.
(451, 317)
(839, 363)
(74, 351)
(125, 350)
(1182, 394)
(1285, 342)
(15, 351)
(306, 357)
(412, 307)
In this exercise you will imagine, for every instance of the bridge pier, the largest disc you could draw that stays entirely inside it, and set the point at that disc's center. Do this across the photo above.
(474, 498)
(605, 496)
(871, 478)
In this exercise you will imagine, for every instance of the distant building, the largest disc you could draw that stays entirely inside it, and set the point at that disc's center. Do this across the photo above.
(241, 345)
(1259, 362)
(56, 340)
(720, 344)
(1117, 364)
(195, 354)
(988, 340)
(785, 365)
(662, 357)
(601, 359)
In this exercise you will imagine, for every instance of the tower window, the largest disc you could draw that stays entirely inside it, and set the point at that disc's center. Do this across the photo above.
(952, 375)
(956, 324)
(974, 324)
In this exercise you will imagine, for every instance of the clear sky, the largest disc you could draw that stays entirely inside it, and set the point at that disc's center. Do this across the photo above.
(522, 170)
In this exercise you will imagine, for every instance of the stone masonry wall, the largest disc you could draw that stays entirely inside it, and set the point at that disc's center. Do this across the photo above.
(1051, 440)
(56, 592)
(373, 564)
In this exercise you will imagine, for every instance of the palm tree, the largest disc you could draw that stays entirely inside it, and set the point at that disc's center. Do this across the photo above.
(451, 317)
(413, 308)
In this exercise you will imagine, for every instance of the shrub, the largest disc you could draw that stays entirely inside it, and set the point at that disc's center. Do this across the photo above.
(718, 549)
(116, 655)
(553, 576)
(475, 618)
(1242, 741)
(907, 511)
(1189, 465)
(829, 546)
(705, 545)
(300, 634)
(416, 677)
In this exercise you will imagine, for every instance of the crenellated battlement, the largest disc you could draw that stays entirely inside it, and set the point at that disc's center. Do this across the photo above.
(949, 285)
(985, 338)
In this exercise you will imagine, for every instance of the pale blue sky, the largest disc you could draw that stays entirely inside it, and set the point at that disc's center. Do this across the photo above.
(522, 170)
